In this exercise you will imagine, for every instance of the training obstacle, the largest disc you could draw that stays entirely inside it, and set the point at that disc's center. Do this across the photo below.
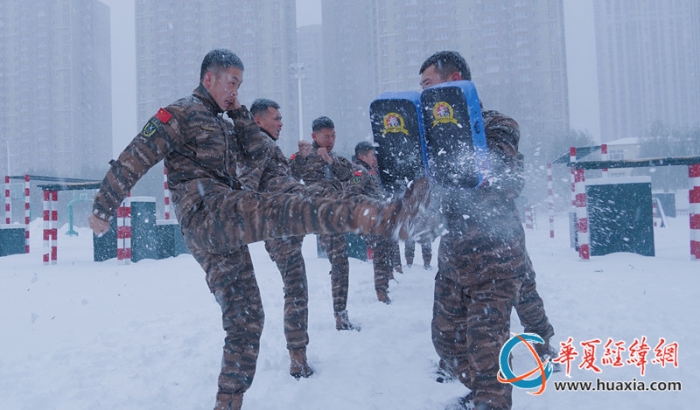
(580, 201)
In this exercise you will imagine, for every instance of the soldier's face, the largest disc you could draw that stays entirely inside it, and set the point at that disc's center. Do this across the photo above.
(271, 121)
(369, 158)
(223, 86)
(431, 76)
(325, 137)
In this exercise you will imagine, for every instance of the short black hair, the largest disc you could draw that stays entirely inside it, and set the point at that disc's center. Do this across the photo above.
(321, 123)
(362, 148)
(446, 63)
(218, 59)
(262, 104)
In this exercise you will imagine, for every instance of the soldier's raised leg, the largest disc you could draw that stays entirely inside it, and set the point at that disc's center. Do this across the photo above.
(225, 220)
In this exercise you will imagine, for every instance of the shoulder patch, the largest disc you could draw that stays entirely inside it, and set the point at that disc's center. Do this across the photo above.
(356, 180)
(163, 116)
(358, 173)
(292, 157)
(151, 127)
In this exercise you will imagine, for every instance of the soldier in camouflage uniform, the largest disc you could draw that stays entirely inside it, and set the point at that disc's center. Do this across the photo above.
(318, 165)
(483, 265)
(365, 181)
(426, 247)
(218, 219)
(285, 252)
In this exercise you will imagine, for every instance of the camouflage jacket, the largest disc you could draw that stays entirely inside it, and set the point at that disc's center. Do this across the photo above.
(485, 238)
(200, 148)
(263, 167)
(314, 170)
(364, 181)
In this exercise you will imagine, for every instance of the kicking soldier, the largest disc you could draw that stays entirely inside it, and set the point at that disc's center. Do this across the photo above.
(365, 181)
(285, 252)
(318, 165)
(218, 219)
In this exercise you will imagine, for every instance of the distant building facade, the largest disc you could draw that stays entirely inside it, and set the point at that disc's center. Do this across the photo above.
(173, 37)
(515, 48)
(648, 55)
(55, 88)
(310, 52)
(350, 68)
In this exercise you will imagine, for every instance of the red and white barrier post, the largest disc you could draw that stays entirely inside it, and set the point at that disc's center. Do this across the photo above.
(694, 210)
(655, 214)
(50, 227)
(550, 200)
(27, 205)
(604, 157)
(166, 194)
(124, 231)
(572, 160)
(8, 201)
(528, 216)
(582, 215)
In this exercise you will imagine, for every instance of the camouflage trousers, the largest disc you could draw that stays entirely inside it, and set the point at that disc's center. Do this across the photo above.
(383, 260)
(530, 310)
(410, 251)
(336, 248)
(395, 255)
(216, 232)
(286, 253)
(227, 219)
(470, 325)
(231, 279)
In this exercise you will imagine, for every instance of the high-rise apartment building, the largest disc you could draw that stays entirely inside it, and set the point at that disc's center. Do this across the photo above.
(350, 68)
(173, 37)
(55, 88)
(310, 52)
(515, 49)
(648, 55)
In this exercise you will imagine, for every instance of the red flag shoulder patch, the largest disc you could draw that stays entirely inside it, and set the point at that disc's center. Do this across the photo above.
(292, 157)
(163, 116)
(358, 173)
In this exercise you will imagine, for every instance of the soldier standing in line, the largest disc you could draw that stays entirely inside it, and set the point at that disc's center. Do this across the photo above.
(218, 219)
(365, 181)
(317, 165)
(483, 266)
(426, 247)
(285, 252)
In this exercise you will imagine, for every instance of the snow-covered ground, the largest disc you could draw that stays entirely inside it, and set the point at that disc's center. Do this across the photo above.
(87, 335)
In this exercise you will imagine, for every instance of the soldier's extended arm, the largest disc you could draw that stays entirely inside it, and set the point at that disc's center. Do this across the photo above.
(150, 146)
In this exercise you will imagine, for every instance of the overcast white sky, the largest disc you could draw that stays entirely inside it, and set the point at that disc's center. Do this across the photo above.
(580, 45)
